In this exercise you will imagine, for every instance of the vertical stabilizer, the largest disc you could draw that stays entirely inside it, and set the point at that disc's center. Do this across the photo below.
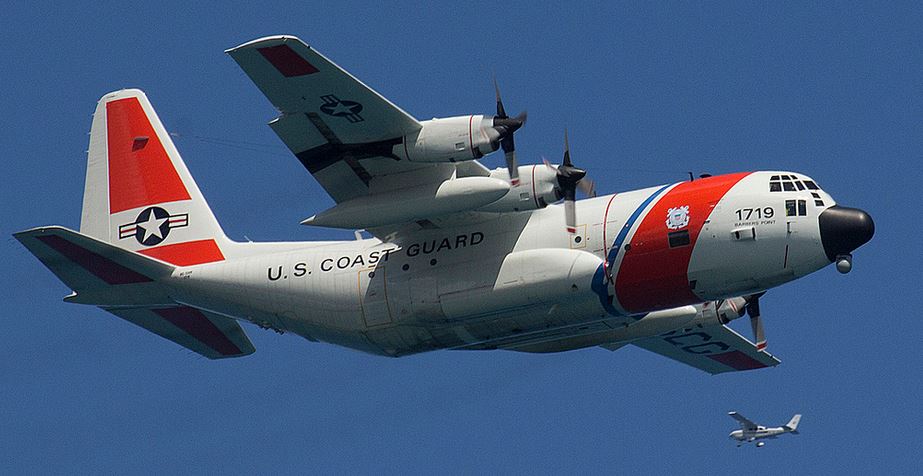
(792, 424)
(139, 194)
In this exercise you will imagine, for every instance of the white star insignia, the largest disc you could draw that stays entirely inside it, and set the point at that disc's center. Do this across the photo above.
(152, 226)
(341, 108)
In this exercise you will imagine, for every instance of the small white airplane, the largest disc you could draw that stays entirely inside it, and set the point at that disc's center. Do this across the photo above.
(750, 432)
(462, 257)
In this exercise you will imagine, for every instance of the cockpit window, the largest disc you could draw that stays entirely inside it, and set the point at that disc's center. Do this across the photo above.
(790, 183)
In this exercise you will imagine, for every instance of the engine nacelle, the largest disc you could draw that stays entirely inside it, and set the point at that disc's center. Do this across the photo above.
(714, 313)
(452, 139)
(538, 186)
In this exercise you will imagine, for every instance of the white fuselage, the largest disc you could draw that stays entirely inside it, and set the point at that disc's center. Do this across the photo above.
(759, 433)
(518, 279)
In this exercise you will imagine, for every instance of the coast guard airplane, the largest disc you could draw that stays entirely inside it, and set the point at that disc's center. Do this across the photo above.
(750, 432)
(461, 256)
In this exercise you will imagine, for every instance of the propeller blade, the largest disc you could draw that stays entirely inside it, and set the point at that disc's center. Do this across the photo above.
(511, 166)
(501, 112)
(566, 161)
(756, 320)
(568, 178)
(587, 187)
(506, 127)
(570, 216)
(756, 323)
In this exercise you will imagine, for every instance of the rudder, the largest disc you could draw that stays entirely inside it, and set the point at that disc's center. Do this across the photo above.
(792, 424)
(139, 194)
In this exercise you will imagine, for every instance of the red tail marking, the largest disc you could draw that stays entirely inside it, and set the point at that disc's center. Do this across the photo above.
(287, 61)
(140, 172)
(186, 254)
(652, 274)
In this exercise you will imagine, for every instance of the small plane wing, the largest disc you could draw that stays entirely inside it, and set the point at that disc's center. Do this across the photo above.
(714, 349)
(745, 423)
(342, 131)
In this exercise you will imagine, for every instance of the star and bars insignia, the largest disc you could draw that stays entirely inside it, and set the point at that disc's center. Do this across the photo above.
(152, 226)
(334, 106)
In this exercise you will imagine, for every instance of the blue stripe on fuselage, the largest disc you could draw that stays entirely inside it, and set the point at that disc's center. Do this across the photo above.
(623, 233)
(600, 281)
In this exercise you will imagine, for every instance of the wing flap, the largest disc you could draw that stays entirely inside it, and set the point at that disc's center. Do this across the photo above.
(713, 349)
(203, 332)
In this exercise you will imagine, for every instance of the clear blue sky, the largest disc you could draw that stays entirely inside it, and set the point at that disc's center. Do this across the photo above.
(648, 91)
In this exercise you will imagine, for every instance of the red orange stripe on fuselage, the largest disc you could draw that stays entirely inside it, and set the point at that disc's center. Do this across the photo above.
(653, 275)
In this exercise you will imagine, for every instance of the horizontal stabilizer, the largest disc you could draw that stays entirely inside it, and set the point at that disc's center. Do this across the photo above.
(205, 333)
(85, 263)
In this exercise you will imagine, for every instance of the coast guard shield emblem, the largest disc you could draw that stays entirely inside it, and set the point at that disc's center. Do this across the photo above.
(677, 217)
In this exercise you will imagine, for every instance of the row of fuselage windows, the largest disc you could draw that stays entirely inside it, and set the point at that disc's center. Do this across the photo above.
(790, 183)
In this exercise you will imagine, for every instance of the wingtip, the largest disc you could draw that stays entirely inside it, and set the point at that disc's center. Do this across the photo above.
(266, 40)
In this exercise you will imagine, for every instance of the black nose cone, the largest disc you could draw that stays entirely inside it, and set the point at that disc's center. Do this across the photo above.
(844, 229)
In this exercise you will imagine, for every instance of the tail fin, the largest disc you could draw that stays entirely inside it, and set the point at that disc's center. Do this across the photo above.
(139, 195)
(792, 424)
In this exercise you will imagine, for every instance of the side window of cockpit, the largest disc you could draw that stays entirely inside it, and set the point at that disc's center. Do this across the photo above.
(796, 208)
(818, 202)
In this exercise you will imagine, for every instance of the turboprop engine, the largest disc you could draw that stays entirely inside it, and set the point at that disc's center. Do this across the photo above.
(538, 187)
(460, 138)
(452, 139)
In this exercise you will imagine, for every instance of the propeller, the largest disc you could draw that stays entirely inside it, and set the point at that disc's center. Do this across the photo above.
(568, 179)
(756, 321)
(506, 126)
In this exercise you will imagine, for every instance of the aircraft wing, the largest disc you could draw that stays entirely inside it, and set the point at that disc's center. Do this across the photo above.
(714, 349)
(745, 422)
(341, 130)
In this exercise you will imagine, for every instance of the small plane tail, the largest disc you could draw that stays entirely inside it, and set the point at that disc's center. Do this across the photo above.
(139, 194)
(792, 425)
